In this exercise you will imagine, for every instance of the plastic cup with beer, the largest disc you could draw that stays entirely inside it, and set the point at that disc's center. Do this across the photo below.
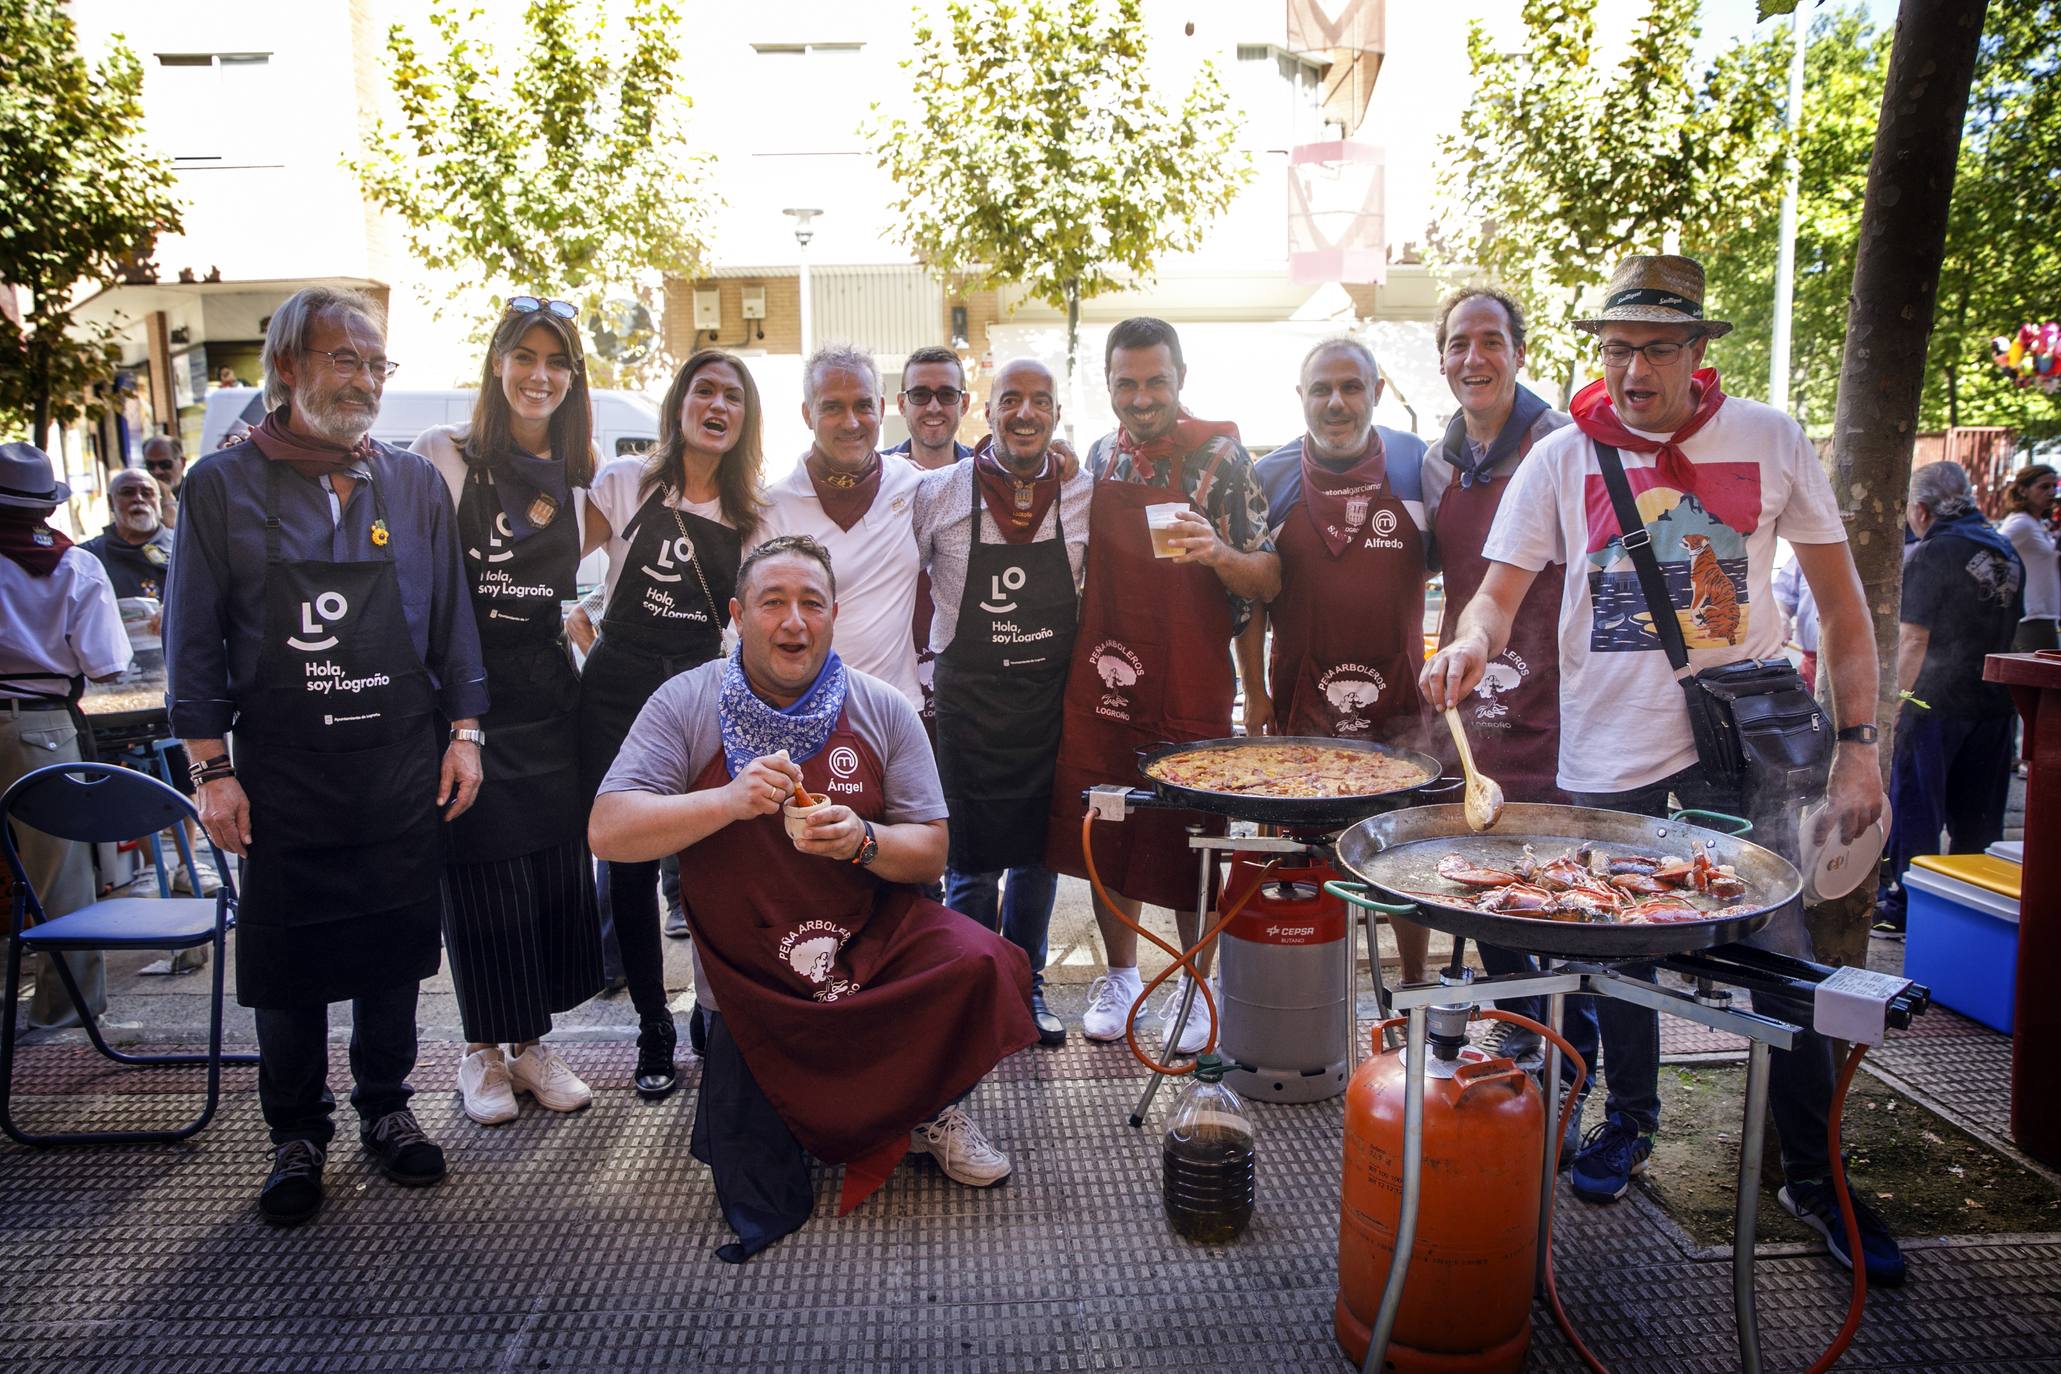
(1163, 522)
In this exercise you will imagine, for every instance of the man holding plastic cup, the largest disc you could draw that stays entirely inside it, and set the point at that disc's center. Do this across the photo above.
(1152, 654)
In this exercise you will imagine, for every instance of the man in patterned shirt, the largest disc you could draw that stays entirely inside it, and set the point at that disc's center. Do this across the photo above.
(1152, 657)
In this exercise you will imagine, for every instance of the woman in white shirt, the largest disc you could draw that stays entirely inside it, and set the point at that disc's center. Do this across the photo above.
(678, 521)
(2027, 502)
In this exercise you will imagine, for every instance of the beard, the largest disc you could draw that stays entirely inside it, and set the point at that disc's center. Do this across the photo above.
(331, 416)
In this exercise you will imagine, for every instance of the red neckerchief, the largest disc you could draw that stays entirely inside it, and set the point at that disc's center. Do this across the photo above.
(27, 537)
(1187, 435)
(1018, 505)
(1593, 411)
(311, 458)
(1327, 492)
(845, 505)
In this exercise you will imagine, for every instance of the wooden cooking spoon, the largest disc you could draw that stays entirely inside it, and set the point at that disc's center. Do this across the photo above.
(1483, 802)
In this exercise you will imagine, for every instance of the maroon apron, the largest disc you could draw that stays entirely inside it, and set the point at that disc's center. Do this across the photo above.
(1151, 664)
(1349, 628)
(860, 1007)
(1513, 715)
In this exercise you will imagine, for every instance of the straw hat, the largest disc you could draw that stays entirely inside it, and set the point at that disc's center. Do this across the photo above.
(28, 480)
(1656, 289)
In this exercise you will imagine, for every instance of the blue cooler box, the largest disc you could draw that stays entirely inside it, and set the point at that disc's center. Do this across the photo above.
(1962, 942)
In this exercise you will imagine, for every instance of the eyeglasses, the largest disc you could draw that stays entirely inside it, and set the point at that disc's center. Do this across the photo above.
(529, 305)
(921, 396)
(348, 364)
(1660, 352)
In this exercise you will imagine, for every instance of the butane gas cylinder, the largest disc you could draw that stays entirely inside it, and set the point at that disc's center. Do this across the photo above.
(1467, 1296)
(1286, 1002)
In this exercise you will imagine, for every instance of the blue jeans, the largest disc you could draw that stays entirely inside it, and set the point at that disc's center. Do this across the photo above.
(1949, 773)
(1800, 1079)
(1025, 902)
(1577, 1015)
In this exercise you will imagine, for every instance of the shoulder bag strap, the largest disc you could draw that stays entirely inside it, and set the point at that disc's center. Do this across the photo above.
(1638, 543)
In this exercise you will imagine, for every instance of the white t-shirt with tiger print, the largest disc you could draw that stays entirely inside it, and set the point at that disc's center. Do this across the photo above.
(1623, 723)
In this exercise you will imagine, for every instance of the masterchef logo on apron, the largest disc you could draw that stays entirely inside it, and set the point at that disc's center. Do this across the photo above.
(811, 950)
(1119, 669)
(321, 622)
(1505, 673)
(844, 764)
(1382, 535)
(1351, 689)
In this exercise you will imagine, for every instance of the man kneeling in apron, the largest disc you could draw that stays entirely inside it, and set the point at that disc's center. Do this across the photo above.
(847, 1016)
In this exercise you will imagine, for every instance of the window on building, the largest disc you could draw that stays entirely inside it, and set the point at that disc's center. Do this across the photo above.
(203, 109)
(1283, 94)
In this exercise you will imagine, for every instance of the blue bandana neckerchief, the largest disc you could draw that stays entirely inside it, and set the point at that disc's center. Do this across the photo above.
(1973, 528)
(752, 728)
(518, 479)
(1525, 409)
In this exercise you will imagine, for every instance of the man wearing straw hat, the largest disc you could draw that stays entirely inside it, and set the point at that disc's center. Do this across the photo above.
(1714, 480)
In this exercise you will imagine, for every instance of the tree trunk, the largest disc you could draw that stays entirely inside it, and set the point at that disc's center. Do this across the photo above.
(39, 364)
(1076, 395)
(1882, 376)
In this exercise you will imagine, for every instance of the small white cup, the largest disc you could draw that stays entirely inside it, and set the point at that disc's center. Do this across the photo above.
(796, 818)
(1161, 521)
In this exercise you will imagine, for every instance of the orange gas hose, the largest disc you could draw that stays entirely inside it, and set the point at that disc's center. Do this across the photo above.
(1183, 959)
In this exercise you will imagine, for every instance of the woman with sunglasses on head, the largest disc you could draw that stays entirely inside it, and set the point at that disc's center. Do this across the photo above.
(679, 520)
(520, 921)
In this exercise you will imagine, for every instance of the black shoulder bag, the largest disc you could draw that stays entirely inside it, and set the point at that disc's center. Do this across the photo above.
(1758, 730)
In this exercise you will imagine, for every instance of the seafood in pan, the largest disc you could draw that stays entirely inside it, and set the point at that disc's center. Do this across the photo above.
(1588, 884)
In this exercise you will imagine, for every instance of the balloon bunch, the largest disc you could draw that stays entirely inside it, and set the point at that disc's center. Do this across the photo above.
(2032, 357)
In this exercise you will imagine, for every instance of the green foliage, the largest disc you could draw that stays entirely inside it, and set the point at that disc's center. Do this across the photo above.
(1039, 155)
(560, 170)
(80, 196)
(1562, 167)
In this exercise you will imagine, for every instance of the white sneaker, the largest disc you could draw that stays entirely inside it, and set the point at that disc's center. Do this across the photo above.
(1109, 1007)
(960, 1149)
(540, 1072)
(1195, 1033)
(483, 1084)
(210, 881)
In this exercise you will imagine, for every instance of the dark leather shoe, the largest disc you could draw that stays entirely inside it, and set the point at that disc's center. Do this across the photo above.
(1051, 1030)
(656, 1039)
(403, 1153)
(293, 1191)
(697, 1029)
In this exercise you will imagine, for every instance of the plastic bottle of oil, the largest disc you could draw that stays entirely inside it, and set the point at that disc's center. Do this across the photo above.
(1208, 1159)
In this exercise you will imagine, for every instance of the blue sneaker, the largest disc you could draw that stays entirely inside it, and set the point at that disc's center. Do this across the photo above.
(1816, 1205)
(1611, 1153)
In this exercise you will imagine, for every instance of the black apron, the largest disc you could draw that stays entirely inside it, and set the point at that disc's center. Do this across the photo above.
(1000, 686)
(530, 798)
(337, 750)
(666, 615)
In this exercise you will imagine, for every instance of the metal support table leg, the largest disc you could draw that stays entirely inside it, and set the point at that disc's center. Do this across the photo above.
(1747, 1218)
(1206, 861)
(1551, 1166)
(1413, 1186)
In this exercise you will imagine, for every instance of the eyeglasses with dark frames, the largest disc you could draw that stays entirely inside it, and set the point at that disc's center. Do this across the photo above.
(1660, 352)
(921, 396)
(530, 305)
(349, 364)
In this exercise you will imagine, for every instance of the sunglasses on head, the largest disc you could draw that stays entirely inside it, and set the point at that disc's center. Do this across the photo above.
(529, 305)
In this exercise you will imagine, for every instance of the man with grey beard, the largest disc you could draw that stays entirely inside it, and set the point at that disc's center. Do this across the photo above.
(1004, 538)
(318, 615)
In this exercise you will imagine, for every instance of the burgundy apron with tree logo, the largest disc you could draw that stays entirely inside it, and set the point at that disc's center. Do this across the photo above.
(861, 1007)
(1349, 626)
(1151, 665)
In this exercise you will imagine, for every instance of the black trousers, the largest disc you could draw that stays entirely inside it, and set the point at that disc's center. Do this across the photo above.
(293, 1063)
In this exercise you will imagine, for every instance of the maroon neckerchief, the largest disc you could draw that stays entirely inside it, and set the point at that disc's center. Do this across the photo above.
(1597, 415)
(845, 505)
(27, 537)
(311, 458)
(999, 487)
(1187, 435)
(1327, 491)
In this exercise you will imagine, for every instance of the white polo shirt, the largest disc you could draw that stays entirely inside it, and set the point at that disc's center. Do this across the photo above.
(876, 562)
(66, 623)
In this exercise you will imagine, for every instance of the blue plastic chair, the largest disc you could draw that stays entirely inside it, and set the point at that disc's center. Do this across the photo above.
(100, 803)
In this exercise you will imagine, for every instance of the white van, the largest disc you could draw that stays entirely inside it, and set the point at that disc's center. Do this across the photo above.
(624, 422)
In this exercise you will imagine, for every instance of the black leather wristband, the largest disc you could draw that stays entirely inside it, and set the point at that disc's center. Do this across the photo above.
(1857, 734)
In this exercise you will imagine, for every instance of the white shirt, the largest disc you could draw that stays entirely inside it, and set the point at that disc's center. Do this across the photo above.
(2036, 551)
(875, 562)
(616, 495)
(1622, 719)
(66, 623)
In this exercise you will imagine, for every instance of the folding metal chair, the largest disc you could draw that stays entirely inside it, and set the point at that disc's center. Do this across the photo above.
(100, 803)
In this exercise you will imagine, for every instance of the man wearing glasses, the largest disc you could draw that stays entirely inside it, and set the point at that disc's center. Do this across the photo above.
(1715, 480)
(164, 458)
(933, 400)
(318, 613)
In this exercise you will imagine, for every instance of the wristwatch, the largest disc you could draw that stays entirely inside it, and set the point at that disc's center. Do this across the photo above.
(1857, 734)
(869, 848)
(478, 737)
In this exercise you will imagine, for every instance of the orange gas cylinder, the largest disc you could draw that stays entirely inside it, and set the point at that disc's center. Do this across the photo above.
(1467, 1297)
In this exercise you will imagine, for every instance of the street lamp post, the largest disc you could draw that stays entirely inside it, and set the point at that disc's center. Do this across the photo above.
(803, 232)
